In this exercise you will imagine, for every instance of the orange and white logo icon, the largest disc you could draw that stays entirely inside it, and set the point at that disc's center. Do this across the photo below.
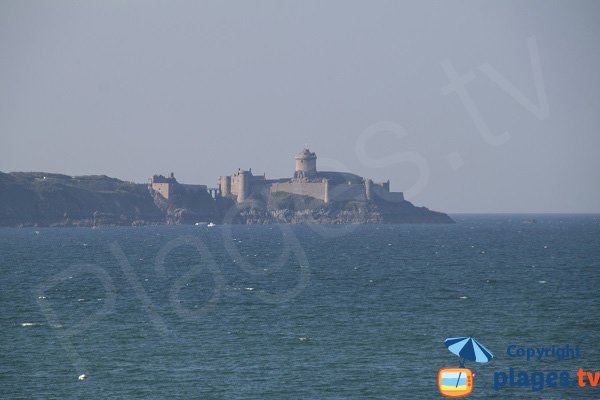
(455, 382)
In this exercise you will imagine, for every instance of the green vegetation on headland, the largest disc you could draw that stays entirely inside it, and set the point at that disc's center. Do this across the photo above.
(45, 199)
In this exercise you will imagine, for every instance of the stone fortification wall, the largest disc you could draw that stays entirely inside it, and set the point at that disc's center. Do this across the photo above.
(382, 193)
(345, 192)
(317, 190)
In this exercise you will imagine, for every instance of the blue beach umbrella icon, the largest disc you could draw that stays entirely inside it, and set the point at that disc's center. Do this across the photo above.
(467, 348)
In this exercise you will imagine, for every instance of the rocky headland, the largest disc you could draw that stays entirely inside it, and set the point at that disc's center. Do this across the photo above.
(45, 199)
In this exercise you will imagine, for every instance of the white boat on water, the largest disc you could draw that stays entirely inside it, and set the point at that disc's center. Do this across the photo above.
(210, 225)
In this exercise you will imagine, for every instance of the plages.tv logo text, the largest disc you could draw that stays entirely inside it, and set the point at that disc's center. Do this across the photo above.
(539, 380)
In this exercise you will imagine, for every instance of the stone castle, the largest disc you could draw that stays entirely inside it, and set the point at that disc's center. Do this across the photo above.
(326, 186)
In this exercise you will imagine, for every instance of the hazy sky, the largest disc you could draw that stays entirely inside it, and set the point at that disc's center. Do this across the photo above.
(133, 88)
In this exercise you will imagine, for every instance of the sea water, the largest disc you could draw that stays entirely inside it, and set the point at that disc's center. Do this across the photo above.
(294, 312)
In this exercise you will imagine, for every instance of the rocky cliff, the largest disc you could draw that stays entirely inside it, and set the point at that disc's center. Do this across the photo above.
(296, 209)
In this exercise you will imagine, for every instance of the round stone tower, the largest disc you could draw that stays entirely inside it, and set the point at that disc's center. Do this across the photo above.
(306, 164)
(225, 185)
(244, 185)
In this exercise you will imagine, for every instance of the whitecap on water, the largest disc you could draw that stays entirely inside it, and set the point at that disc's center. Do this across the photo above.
(28, 324)
(249, 288)
(463, 297)
(541, 281)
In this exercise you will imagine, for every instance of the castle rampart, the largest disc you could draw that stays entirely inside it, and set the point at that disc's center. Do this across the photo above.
(351, 192)
(318, 190)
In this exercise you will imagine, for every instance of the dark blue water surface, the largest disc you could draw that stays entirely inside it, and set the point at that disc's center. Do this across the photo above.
(294, 312)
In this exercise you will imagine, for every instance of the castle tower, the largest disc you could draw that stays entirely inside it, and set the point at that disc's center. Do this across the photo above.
(306, 164)
(225, 185)
(163, 185)
(244, 185)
